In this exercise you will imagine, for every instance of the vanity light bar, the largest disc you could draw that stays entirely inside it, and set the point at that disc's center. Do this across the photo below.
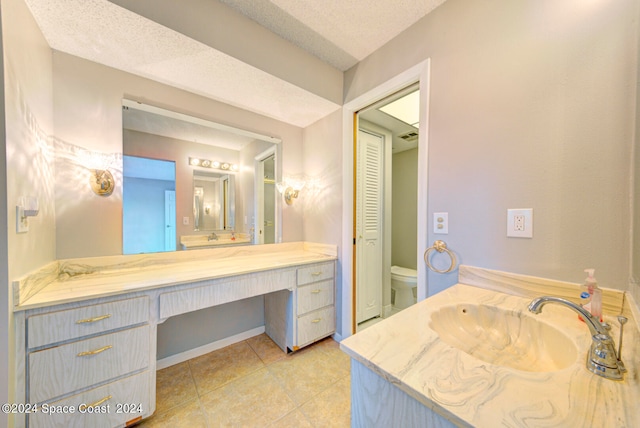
(206, 163)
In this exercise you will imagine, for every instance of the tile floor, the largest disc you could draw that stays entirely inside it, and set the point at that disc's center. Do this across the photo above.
(254, 384)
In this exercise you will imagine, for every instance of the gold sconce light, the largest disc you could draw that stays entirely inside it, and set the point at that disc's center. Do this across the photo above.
(102, 182)
(290, 188)
(206, 163)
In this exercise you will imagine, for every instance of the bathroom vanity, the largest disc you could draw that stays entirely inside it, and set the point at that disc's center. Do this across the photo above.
(493, 363)
(86, 328)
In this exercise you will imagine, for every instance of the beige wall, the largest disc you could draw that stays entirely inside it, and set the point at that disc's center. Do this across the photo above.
(530, 107)
(28, 102)
(88, 117)
(404, 197)
(634, 284)
(29, 117)
(321, 200)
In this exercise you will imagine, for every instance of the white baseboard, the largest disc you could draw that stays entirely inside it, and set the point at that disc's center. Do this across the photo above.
(386, 310)
(209, 347)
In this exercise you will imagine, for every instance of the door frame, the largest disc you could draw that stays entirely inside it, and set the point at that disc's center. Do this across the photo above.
(418, 73)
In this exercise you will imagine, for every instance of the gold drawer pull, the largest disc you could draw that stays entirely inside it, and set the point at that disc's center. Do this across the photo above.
(97, 403)
(315, 291)
(94, 319)
(316, 273)
(95, 351)
(316, 321)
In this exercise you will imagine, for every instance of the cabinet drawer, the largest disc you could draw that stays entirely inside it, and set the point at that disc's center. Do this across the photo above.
(133, 390)
(316, 325)
(66, 368)
(315, 296)
(314, 273)
(78, 322)
(225, 291)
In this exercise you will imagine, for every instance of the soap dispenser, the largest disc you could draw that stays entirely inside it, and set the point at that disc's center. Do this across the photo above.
(591, 286)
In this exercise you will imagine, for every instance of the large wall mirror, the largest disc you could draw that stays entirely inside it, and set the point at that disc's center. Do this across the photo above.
(214, 183)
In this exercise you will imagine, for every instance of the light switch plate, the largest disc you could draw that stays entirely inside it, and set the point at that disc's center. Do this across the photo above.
(520, 223)
(22, 223)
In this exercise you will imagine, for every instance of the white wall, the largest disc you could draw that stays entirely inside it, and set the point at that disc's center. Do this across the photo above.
(530, 107)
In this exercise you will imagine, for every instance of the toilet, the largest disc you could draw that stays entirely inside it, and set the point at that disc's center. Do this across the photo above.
(403, 281)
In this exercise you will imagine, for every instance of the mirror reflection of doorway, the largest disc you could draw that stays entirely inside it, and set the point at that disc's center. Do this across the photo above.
(148, 205)
(269, 189)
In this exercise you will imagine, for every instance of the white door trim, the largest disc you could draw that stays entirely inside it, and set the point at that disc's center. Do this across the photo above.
(419, 72)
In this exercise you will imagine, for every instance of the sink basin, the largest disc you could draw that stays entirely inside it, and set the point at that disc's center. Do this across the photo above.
(203, 241)
(505, 338)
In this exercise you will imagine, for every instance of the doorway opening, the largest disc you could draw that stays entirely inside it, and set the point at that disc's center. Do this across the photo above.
(386, 182)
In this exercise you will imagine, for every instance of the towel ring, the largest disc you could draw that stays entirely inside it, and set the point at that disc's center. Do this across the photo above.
(441, 247)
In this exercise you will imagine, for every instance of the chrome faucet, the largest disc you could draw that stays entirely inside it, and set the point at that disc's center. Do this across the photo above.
(602, 358)
(212, 237)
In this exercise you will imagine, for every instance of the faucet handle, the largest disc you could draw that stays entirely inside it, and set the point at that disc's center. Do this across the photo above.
(606, 326)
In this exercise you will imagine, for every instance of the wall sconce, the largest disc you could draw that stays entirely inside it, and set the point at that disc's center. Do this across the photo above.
(102, 182)
(28, 206)
(290, 188)
(206, 163)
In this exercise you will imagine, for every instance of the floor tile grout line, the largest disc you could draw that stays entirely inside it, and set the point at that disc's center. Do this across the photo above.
(322, 349)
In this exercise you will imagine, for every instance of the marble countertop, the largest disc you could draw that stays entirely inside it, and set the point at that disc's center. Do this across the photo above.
(73, 280)
(407, 352)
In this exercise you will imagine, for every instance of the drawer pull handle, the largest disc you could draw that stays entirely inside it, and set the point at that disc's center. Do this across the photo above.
(315, 291)
(94, 319)
(95, 351)
(316, 273)
(97, 403)
(316, 321)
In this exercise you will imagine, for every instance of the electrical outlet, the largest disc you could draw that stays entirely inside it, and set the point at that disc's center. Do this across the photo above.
(441, 223)
(520, 223)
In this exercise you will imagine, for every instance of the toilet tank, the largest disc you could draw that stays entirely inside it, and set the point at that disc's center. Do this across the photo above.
(403, 274)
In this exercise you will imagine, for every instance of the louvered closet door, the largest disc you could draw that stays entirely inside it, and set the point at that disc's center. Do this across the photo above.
(369, 204)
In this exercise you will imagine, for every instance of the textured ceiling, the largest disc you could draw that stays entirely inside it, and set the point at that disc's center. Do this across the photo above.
(339, 32)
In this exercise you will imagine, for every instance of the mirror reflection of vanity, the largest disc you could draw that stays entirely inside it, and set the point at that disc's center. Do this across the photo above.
(223, 193)
(213, 201)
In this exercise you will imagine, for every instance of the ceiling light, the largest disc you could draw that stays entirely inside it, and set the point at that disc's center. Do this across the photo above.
(206, 163)
(406, 109)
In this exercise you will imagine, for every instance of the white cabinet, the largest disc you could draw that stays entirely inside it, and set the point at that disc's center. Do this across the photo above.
(94, 360)
(99, 352)
(305, 315)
